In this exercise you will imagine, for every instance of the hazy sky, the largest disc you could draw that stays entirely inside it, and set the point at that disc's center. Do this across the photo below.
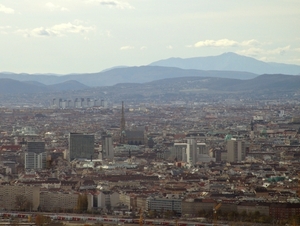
(74, 36)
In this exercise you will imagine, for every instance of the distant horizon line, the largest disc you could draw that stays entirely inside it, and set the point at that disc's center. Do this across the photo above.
(126, 66)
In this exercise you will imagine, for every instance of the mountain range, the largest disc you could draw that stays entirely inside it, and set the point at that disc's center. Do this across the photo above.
(267, 83)
(126, 75)
(230, 62)
(224, 70)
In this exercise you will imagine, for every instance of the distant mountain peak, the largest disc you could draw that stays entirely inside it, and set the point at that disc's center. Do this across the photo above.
(229, 61)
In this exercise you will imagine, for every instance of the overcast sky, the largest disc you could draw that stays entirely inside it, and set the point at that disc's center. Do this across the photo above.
(75, 36)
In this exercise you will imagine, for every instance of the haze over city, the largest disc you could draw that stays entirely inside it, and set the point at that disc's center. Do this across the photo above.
(82, 36)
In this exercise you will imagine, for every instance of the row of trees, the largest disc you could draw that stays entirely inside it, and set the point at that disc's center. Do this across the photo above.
(23, 204)
(256, 216)
(168, 214)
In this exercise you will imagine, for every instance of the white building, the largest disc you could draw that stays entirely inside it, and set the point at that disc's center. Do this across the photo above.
(35, 161)
(164, 204)
(35, 157)
(108, 199)
(107, 147)
(190, 152)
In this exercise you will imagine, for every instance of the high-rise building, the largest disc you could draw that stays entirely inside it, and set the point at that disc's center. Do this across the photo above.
(35, 156)
(35, 161)
(107, 147)
(191, 152)
(81, 146)
(236, 150)
(36, 147)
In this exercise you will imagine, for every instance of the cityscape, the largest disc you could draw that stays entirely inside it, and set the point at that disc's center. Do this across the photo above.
(148, 112)
(167, 161)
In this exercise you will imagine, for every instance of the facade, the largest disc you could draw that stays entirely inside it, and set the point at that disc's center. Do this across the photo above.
(126, 200)
(164, 204)
(36, 156)
(192, 207)
(81, 146)
(36, 147)
(10, 193)
(191, 152)
(134, 137)
(107, 147)
(108, 199)
(58, 201)
(35, 161)
(141, 202)
(236, 150)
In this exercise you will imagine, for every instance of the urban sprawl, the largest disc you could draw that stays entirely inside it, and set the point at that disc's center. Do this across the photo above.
(229, 161)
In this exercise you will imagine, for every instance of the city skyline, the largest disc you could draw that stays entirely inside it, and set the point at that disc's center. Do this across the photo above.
(92, 35)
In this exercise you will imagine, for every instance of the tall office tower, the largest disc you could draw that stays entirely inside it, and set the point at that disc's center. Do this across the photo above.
(107, 147)
(197, 152)
(236, 150)
(83, 102)
(77, 103)
(70, 104)
(122, 127)
(81, 146)
(56, 103)
(35, 157)
(191, 154)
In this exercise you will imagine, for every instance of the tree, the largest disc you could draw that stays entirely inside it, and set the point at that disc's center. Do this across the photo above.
(82, 203)
(201, 213)
(41, 219)
(21, 202)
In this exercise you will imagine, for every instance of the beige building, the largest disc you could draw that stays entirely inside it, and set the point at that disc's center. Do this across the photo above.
(191, 207)
(10, 193)
(128, 200)
(55, 201)
(141, 202)
(236, 150)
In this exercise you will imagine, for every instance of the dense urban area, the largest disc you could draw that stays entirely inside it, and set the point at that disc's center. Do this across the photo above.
(215, 163)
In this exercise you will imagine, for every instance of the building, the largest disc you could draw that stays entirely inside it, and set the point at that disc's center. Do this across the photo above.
(107, 147)
(164, 204)
(10, 194)
(58, 201)
(35, 161)
(134, 137)
(81, 146)
(36, 156)
(108, 199)
(236, 150)
(191, 152)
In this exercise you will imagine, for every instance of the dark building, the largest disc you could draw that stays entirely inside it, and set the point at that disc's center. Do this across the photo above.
(81, 146)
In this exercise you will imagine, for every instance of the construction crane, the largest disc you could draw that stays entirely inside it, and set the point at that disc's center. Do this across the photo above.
(298, 187)
(141, 220)
(215, 216)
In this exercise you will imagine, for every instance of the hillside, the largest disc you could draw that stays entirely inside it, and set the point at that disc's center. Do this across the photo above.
(126, 75)
(10, 86)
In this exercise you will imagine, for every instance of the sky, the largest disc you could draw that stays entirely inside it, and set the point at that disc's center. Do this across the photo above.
(86, 36)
